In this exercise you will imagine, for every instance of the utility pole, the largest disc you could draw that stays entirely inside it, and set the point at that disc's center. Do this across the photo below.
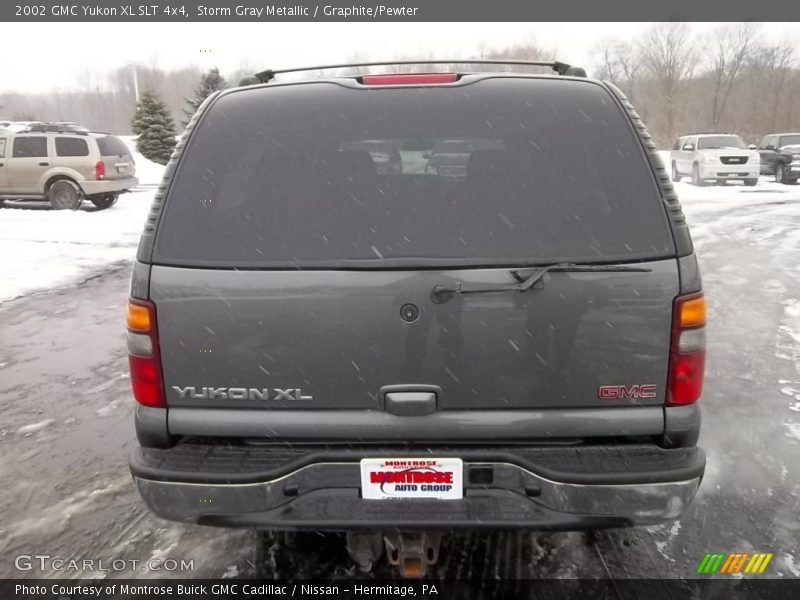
(135, 83)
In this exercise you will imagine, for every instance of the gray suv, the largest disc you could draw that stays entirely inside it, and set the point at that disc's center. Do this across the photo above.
(320, 344)
(63, 164)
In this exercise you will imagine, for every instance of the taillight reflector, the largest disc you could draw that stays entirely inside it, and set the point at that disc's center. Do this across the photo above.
(409, 79)
(687, 350)
(99, 170)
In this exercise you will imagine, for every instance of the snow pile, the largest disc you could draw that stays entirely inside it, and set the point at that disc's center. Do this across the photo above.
(42, 249)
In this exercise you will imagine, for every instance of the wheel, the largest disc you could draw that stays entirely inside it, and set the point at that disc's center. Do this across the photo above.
(64, 195)
(696, 176)
(104, 202)
(751, 182)
(675, 175)
(780, 173)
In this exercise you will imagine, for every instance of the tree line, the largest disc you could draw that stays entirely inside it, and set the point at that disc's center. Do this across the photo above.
(733, 79)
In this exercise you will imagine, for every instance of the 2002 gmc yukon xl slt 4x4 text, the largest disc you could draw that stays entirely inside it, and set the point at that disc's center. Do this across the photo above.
(317, 344)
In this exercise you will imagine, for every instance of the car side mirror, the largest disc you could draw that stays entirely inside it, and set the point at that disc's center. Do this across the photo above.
(426, 155)
(752, 147)
(688, 148)
(770, 147)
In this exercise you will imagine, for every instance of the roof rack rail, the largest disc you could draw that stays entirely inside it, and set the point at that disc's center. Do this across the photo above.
(559, 67)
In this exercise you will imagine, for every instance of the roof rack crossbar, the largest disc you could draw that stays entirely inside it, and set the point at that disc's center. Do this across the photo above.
(559, 67)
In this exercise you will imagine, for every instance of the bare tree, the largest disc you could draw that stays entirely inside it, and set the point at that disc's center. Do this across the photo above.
(669, 57)
(729, 50)
(773, 70)
(619, 63)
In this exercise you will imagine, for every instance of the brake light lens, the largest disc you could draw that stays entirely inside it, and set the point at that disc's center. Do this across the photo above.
(687, 350)
(409, 79)
(143, 354)
(99, 170)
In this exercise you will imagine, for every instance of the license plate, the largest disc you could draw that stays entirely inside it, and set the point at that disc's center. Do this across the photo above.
(437, 478)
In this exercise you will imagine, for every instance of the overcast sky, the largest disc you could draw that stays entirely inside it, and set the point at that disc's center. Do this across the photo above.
(76, 49)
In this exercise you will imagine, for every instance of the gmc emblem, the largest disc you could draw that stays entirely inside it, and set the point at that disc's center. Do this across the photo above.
(614, 392)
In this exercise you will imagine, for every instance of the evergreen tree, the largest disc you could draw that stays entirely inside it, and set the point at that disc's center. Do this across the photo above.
(155, 128)
(211, 82)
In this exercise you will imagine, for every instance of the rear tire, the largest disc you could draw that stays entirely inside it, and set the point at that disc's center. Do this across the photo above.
(780, 173)
(696, 176)
(750, 182)
(675, 175)
(64, 195)
(104, 202)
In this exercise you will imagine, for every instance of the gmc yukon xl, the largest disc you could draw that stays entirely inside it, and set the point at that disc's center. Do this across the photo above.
(318, 343)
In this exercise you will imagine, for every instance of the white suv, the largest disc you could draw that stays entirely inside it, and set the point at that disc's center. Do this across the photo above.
(714, 156)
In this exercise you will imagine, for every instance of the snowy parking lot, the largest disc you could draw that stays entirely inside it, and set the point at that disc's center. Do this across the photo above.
(67, 426)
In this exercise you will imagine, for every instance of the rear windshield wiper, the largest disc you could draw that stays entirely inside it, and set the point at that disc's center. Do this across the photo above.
(525, 280)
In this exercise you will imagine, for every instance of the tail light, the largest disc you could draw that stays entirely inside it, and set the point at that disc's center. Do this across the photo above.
(99, 170)
(143, 354)
(409, 79)
(687, 359)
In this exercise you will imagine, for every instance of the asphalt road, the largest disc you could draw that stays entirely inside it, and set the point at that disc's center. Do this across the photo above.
(67, 430)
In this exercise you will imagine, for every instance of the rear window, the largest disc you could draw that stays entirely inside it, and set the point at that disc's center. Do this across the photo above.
(501, 171)
(111, 146)
(71, 147)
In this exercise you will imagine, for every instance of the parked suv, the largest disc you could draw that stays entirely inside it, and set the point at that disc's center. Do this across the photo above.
(780, 156)
(317, 345)
(64, 166)
(714, 156)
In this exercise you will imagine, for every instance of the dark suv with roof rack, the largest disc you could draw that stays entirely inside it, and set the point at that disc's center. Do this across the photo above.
(317, 343)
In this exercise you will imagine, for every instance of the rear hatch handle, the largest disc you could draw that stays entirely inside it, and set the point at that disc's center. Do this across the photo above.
(525, 280)
(412, 400)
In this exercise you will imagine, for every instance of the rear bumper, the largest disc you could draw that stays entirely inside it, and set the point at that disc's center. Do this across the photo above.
(108, 186)
(284, 487)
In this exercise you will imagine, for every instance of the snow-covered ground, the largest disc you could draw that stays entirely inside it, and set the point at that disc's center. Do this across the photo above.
(42, 249)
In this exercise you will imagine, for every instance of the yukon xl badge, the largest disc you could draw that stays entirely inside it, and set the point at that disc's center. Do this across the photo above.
(223, 393)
